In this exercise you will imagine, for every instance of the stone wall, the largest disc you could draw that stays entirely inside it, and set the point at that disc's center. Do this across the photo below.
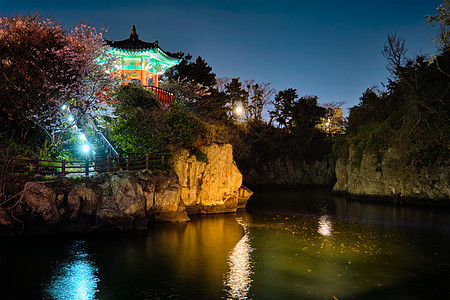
(391, 177)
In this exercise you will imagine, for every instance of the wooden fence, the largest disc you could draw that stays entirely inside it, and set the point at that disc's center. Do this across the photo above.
(86, 167)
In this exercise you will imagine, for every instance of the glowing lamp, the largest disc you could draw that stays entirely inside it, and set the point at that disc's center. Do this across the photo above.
(85, 148)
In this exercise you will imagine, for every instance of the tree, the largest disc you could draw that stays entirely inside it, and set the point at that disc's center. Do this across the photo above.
(237, 97)
(142, 126)
(283, 103)
(259, 96)
(42, 68)
(197, 72)
(306, 114)
(193, 85)
(442, 18)
(394, 51)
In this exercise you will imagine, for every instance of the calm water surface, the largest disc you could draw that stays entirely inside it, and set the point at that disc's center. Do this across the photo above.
(292, 244)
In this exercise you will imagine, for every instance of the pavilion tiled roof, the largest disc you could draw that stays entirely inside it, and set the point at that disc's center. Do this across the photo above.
(133, 43)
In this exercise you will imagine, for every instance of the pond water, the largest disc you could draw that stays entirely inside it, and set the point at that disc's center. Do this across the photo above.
(287, 244)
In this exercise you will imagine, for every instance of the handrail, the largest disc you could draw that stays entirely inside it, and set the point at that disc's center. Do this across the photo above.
(165, 97)
(96, 166)
(99, 135)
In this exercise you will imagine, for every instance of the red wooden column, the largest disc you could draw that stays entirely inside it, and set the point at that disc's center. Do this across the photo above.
(155, 79)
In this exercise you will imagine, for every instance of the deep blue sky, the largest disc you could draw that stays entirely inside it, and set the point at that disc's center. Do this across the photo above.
(331, 48)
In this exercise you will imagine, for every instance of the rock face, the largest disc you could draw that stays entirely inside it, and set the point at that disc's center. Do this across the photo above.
(210, 187)
(288, 172)
(122, 201)
(391, 178)
(129, 200)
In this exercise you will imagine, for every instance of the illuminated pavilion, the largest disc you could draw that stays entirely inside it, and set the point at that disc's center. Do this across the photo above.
(141, 62)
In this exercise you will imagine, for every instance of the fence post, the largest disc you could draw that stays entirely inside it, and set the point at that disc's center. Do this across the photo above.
(128, 163)
(37, 165)
(86, 168)
(63, 167)
(108, 162)
(162, 160)
(147, 161)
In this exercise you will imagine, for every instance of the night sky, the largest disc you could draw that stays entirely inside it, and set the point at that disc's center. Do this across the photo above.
(331, 49)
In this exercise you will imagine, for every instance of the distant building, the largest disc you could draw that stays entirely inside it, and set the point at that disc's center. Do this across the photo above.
(333, 123)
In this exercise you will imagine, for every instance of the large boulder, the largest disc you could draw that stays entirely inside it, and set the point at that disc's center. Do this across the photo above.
(122, 205)
(82, 202)
(212, 186)
(38, 206)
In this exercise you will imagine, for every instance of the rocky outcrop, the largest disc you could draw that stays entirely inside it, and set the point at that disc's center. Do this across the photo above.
(214, 186)
(289, 172)
(129, 200)
(392, 177)
(122, 201)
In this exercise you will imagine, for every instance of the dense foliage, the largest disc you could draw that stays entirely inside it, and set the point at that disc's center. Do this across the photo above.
(142, 125)
(42, 68)
(411, 115)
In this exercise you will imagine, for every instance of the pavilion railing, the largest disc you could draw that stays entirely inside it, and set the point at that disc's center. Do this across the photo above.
(165, 97)
(81, 167)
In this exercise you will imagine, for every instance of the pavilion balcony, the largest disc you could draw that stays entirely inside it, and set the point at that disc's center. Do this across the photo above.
(165, 97)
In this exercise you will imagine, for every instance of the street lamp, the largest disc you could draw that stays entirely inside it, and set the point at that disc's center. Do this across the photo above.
(238, 110)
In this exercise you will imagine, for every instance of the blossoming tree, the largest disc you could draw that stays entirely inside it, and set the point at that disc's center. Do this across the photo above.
(43, 68)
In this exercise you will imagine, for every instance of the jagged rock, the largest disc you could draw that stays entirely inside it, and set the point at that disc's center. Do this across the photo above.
(167, 202)
(391, 177)
(122, 204)
(211, 187)
(82, 199)
(39, 204)
(243, 196)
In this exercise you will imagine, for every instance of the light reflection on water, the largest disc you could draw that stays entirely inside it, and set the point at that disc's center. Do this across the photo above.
(73, 277)
(287, 245)
(239, 276)
(325, 226)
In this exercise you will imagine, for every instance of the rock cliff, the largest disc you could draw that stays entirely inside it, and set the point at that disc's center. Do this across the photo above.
(289, 172)
(129, 200)
(392, 177)
(214, 186)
